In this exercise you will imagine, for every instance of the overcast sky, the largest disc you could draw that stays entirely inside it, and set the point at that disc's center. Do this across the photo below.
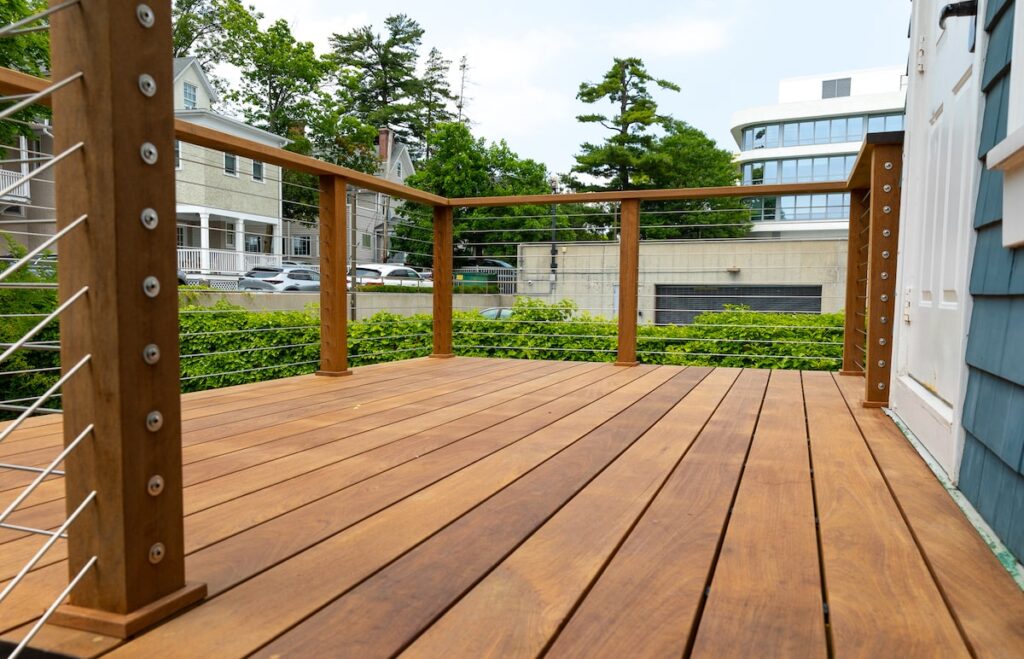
(528, 57)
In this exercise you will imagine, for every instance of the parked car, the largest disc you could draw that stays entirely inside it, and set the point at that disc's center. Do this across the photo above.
(497, 313)
(182, 279)
(280, 279)
(483, 263)
(384, 274)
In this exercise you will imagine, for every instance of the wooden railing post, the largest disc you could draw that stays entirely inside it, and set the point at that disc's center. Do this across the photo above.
(443, 254)
(883, 238)
(629, 280)
(126, 326)
(333, 278)
(855, 329)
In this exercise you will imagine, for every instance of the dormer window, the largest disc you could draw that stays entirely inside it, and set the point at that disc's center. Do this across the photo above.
(398, 169)
(190, 96)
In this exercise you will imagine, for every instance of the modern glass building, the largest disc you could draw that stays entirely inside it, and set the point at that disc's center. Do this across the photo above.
(813, 134)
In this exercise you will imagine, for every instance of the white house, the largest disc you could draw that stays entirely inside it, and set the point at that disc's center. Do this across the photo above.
(813, 134)
(375, 212)
(228, 207)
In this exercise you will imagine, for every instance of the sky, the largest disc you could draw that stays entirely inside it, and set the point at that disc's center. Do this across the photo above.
(527, 58)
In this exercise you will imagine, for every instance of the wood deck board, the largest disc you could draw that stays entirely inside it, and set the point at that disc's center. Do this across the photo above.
(471, 506)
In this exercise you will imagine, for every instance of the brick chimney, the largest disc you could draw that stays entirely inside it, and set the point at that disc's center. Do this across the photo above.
(384, 144)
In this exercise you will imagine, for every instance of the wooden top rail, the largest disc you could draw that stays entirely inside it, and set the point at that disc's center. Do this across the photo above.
(13, 82)
(860, 175)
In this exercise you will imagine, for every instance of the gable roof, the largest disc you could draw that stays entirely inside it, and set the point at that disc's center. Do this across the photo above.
(182, 64)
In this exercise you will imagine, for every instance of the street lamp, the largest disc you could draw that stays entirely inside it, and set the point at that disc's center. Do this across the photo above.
(554, 233)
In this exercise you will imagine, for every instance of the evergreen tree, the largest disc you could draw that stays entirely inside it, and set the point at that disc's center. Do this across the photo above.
(435, 97)
(377, 73)
(618, 158)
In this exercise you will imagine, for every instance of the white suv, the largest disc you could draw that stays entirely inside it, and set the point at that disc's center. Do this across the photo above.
(383, 274)
(280, 279)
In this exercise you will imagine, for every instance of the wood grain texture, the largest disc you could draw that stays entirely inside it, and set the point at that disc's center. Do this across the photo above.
(387, 612)
(113, 255)
(881, 597)
(767, 581)
(361, 536)
(988, 606)
(647, 600)
(629, 280)
(333, 280)
(443, 274)
(856, 285)
(886, 168)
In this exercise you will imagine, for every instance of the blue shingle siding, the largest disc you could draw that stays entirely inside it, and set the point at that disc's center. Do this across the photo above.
(992, 469)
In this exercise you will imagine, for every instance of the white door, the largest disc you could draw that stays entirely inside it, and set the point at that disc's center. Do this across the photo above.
(941, 175)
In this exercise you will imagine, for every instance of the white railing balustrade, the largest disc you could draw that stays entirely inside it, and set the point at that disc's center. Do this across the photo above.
(21, 193)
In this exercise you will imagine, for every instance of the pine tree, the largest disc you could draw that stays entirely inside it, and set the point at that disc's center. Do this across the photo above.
(435, 98)
(618, 158)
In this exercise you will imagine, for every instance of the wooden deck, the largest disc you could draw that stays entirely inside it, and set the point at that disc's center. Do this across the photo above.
(474, 507)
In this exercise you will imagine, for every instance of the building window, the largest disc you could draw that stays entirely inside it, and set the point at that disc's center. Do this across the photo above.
(254, 244)
(257, 170)
(190, 96)
(230, 164)
(177, 154)
(835, 88)
(398, 169)
(301, 246)
(367, 240)
(181, 236)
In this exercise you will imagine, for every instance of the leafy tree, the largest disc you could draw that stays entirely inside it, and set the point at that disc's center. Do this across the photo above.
(685, 157)
(619, 157)
(341, 138)
(28, 53)
(281, 79)
(435, 96)
(212, 31)
(378, 73)
(464, 166)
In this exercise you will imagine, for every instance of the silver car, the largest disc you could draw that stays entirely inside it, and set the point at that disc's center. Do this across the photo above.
(280, 279)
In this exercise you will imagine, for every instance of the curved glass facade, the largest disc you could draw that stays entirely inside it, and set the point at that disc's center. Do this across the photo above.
(826, 130)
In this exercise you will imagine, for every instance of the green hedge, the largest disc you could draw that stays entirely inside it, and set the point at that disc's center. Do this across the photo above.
(226, 345)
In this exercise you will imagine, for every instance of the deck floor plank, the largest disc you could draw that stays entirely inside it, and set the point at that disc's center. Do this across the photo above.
(882, 599)
(989, 607)
(474, 506)
(647, 599)
(388, 611)
(767, 581)
(240, 624)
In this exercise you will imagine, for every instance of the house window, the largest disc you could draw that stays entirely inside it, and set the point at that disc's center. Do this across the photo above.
(230, 164)
(835, 88)
(181, 236)
(190, 96)
(254, 244)
(398, 170)
(301, 246)
(367, 240)
(257, 170)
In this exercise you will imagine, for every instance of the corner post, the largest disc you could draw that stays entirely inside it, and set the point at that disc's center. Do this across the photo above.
(125, 329)
(883, 238)
(333, 278)
(855, 326)
(443, 274)
(629, 280)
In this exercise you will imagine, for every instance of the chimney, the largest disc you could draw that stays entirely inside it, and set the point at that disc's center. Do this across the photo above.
(384, 144)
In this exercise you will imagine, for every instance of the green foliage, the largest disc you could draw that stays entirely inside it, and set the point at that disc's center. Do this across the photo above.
(212, 31)
(281, 79)
(463, 166)
(625, 87)
(28, 53)
(226, 345)
(27, 301)
(377, 75)
(474, 289)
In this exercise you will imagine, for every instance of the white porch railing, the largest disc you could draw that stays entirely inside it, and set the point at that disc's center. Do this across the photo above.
(21, 193)
(223, 261)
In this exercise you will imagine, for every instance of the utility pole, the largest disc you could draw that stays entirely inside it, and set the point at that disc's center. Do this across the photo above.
(464, 71)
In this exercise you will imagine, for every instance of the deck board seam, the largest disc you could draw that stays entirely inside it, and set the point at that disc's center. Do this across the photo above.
(699, 614)
(910, 527)
(528, 534)
(829, 644)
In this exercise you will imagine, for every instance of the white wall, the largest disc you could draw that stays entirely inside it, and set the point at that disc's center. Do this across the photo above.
(869, 81)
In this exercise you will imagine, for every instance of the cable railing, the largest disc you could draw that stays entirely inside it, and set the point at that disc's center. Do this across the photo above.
(649, 276)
